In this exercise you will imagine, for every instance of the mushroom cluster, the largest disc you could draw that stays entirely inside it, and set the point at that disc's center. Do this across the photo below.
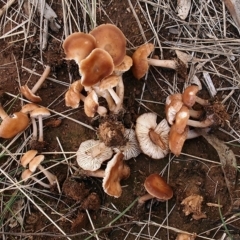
(101, 58)
(33, 161)
(181, 115)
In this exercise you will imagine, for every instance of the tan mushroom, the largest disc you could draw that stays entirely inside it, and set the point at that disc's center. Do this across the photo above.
(13, 124)
(110, 38)
(78, 46)
(30, 93)
(96, 66)
(27, 157)
(115, 171)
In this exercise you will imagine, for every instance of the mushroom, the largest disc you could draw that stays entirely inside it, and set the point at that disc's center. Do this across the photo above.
(73, 94)
(152, 137)
(78, 46)
(131, 148)
(27, 109)
(141, 62)
(96, 66)
(13, 124)
(36, 163)
(30, 93)
(40, 113)
(189, 96)
(115, 171)
(27, 157)
(110, 38)
(33, 161)
(157, 188)
(92, 153)
(91, 105)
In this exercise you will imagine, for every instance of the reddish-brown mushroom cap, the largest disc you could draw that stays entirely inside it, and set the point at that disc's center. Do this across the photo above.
(78, 46)
(189, 96)
(91, 104)
(95, 67)
(114, 172)
(176, 140)
(110, 38)
(181, 119)
(140, 62)
(158, 187)
(12, 125)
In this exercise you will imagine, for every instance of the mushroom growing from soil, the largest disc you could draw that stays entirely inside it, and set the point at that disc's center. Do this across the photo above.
(30, 93)
(152, 137)
(110, 38)
(13, 124)
(78, 46)
(96, 66)
(92, 153)
(141, 62)
(157, 188)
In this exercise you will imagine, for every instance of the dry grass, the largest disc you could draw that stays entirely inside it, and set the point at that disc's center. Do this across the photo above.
(205, 35)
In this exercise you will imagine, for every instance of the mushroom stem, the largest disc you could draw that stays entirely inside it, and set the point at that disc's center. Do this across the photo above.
(162, 63)
(98, 173)
(40, 182)
(144, 198)
(195, 113)
(51, 177)
(120, 93)
(34, 130)
(40, 128)
(3, 114)
(114, 95)
(202, 101)
(41, 79)
(203, 124)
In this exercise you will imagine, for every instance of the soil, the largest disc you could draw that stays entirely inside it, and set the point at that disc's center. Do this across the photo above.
(80, 195)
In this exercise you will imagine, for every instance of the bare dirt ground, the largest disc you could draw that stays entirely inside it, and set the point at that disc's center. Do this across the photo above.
(80, 207)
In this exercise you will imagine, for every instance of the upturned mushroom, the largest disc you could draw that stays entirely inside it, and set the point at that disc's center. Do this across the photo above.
(13, 124)
(141, 62)
(30, 93)
(110, 38)
(152, 137)
(96, 66)
(92, 153)
(157, 188)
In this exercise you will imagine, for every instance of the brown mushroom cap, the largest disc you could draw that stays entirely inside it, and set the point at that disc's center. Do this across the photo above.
(12, 125)
(27, 157)
(111, 39)
(27, 108)
(114, 172)
(36, 161)
(95, 67)
(176, 140)
(181, 120)
(91, 104)
(158, 187)
(78, 46)
(140, 63)
(27, 92)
